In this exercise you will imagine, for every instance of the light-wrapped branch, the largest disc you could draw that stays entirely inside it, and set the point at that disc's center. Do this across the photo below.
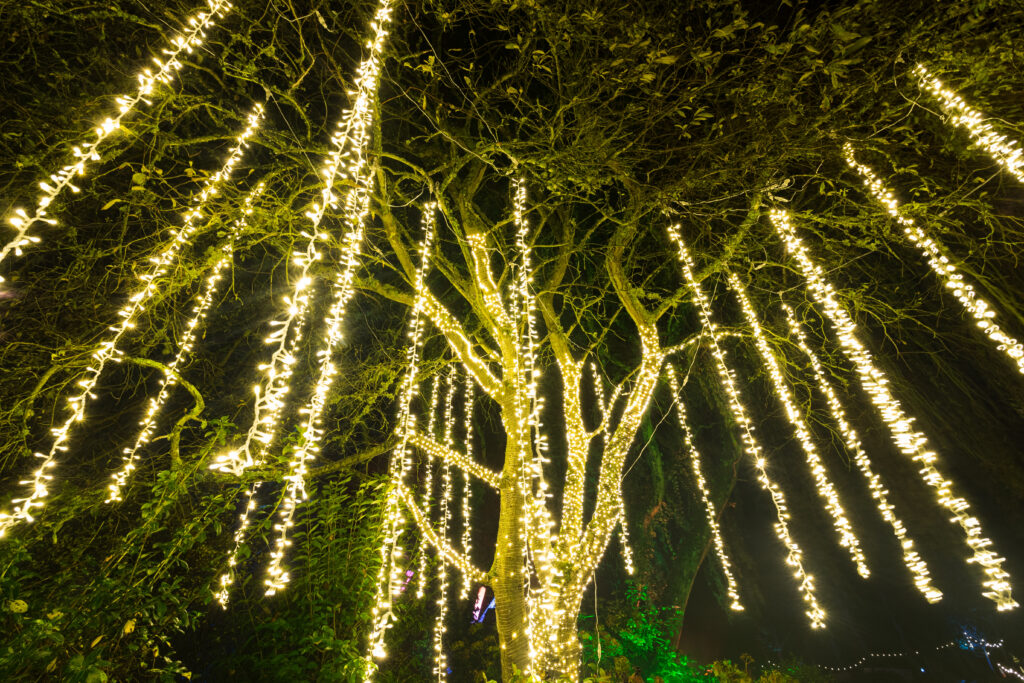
(452, 556)
(452, 457)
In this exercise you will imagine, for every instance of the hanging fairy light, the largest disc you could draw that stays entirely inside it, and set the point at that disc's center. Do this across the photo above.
(227, 579)
(108, 351)
(705, 493)
(794, 557)
(427, 494)
(185, 344)
(826, 489)
(346, 161)
(947, 272)
(60, 180)
(1005, 151)
(913, 561)
(400, 462)
(910, 442)
(467, 535)
(440, 622)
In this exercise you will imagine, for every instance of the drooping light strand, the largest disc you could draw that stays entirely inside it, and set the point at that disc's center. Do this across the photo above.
(940, 264)
(440, 622)
(1005, 151)
(427, 494)
(185, 344)
(794, 557)
(705, 493)
(227, 579)
(826, 489)
(918, 568)
(347, 159)
(388, 585)
(911, 443)
(108, 351)
(468, 402)
(60, 180)
(605, 407)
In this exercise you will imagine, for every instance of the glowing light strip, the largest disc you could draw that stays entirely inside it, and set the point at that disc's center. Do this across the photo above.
(227, 579)
(1005, 151)
(604, 408)
(107, 351)
(428, 482)
(400, 463)
(467, 536)
(440, 626)
(185, 344)
(88, 151)
(946, 271)
(705, 493)
(913, 561)
(826, 490)
(348, 147)
(751, 446)
(911, 443)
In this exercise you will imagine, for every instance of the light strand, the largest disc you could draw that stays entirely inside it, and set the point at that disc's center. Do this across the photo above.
(440, 622)
(794, 556)
(87, 151)
(427, 493)
(944, 269)
(1005, 151)
(710, 513)
(604, 408)
(185, 344)
(913, 561)
(910, 442)
(107, 351)
(826, 489)
(348, 160)
(467, 535)
(227, 579)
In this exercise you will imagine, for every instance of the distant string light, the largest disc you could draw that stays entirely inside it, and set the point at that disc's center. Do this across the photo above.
(347, 159)
(911, 443)
(400, 462)
(946, 271)
(107, 351)
(710, 512)
(185, 344)
(913, 561)
(467, 535)
(826, 489)
(60, 180)
(794, 557)
(1005, 151)
(227, 579)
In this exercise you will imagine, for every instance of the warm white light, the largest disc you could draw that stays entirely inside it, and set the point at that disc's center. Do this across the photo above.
(910, 442)
(167, 67)
(227, 579)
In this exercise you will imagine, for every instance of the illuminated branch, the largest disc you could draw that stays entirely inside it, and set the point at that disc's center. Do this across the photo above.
(453, 457)
(452, 556)
(461, 345)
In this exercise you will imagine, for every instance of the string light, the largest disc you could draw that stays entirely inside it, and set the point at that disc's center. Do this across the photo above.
(428, 481)
(913, 561)
(347, 159)
(705, 494)
(1005, 151)
(604, 407)
(227, 579)
(826, 490)
(940, 264)
(440, 622)
(400, 462)
(911, 443)
(805, 582)
(185, 344)
(88, 151)
(467, 536)
(108, 351)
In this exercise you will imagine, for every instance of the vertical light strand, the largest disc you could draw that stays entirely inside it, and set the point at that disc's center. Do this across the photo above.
(1004, 150)
(604, 406)
(87, 151)
(794, 557)
(227, 579)
(107, 351)
(468, 403)
(910, 442)
(202, 305)
(348, 160)
(440, 623)
(399, 465)
(427, 494)
(944, 269)
(918, 568)
(710, 512)
(826, 489)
